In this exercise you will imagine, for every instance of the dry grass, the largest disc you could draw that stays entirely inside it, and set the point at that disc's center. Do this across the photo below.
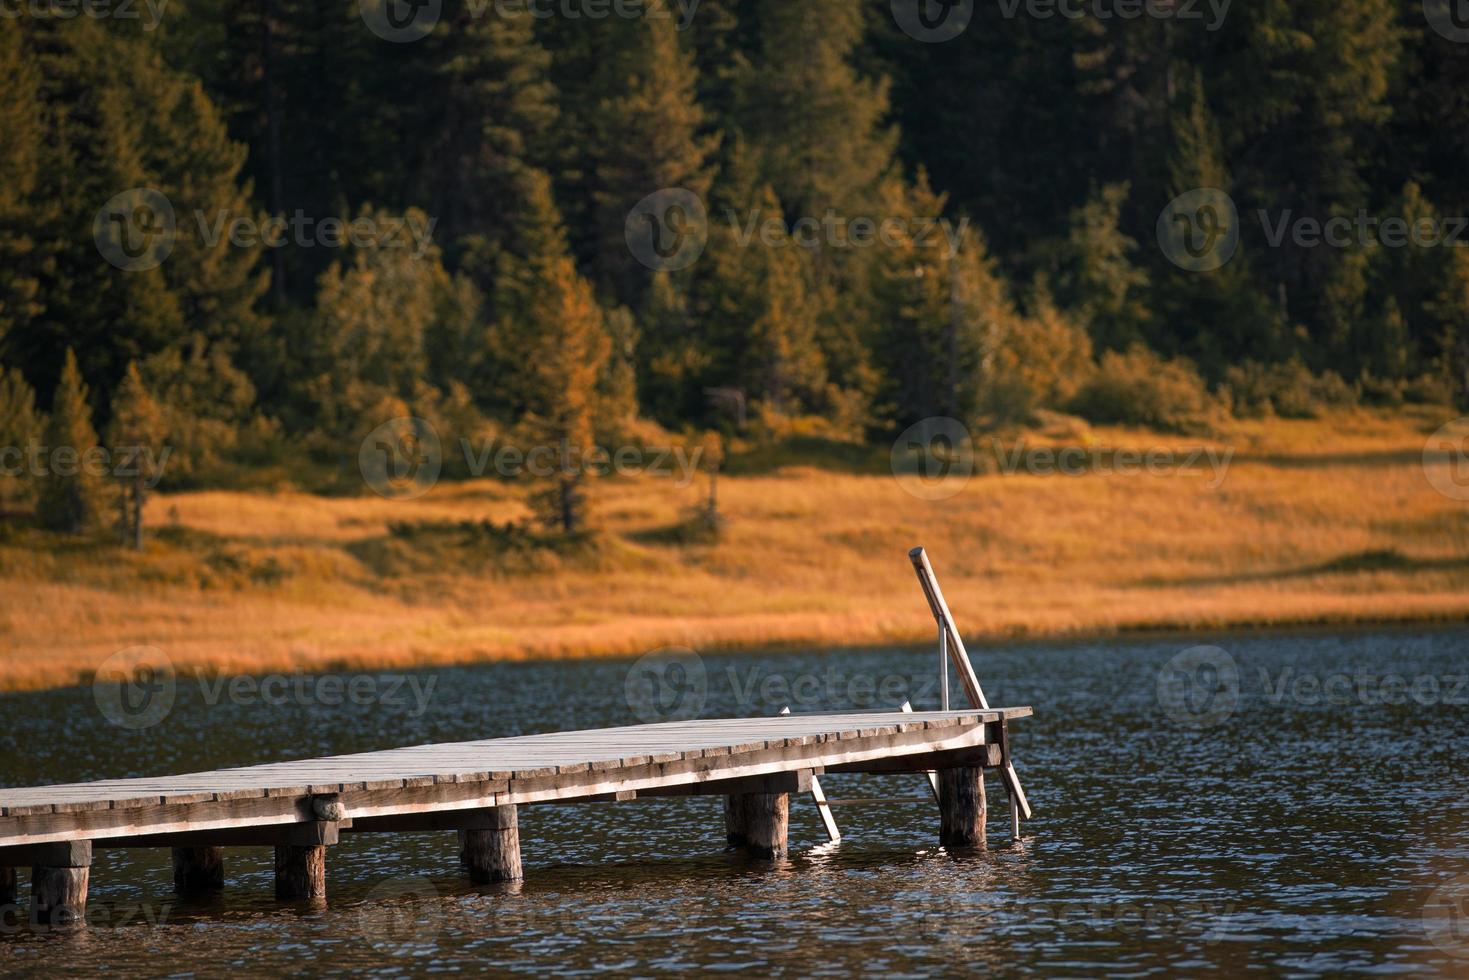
(1316, 522)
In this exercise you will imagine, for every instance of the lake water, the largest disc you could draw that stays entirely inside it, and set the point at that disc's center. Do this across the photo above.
(1292, 804)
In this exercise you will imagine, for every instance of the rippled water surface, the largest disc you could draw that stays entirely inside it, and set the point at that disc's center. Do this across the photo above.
(1294, 836)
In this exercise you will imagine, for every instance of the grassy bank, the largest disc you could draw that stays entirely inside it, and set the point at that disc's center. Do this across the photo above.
(1329, 521)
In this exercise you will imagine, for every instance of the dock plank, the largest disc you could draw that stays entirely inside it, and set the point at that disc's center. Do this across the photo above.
(563, 761)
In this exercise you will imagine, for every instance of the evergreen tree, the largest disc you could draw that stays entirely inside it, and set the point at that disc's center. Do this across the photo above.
(21, 213)
(813, 121)
(1097, 278)
(71, 488)
(552, 347)
(646, 138)
(135, 437)
(1221, 317)
(20, 430)
(940, 316)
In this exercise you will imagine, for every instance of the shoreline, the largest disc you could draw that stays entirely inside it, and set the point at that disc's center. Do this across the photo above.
(976, 641)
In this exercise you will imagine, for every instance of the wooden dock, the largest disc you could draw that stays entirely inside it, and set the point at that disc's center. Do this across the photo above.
(301, 808)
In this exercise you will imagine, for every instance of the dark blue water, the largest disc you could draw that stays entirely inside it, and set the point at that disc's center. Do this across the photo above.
(1296, 805)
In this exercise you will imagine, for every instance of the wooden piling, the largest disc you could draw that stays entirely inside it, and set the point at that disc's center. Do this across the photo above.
(758, 823)
(9, 892)
(962, 808)
(300, 872)
(59, 881)
(492, 853)
(198, 870)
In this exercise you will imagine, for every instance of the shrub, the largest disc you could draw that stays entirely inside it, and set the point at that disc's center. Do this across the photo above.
(1138, 387)
(1287, 389)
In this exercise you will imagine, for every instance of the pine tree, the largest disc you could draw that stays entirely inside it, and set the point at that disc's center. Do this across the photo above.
(1097, 279)
(21, 214)
(1221, 317)
(940, 316)
(20, 430)
(755, 303)
(648, 137)
(815, 123)
(490, 110)
(116, 119)
(135, 438)
(553, 342)
(71, 489)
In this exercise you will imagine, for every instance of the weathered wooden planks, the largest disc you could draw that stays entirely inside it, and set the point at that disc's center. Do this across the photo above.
(527, 769)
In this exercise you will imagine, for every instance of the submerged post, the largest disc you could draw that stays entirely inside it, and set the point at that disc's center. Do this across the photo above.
(198, 870)
(758, 823)
(9, 894)
(962, 808)
(492, 854)
(300, 872)
(59, 884)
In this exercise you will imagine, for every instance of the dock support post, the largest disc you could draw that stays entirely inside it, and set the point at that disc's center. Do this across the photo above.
(493, 855)
(962, 809)
(59, 884)
(300, 872)
(198, 869)
(8, 891)
(758, 823)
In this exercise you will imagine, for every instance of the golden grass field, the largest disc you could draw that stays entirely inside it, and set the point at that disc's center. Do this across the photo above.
(1321, 522)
